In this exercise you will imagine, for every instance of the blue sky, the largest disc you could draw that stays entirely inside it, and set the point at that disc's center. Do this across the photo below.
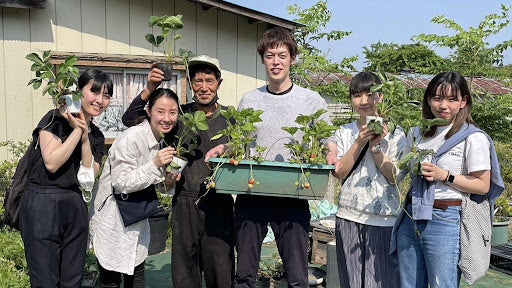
(389, 21)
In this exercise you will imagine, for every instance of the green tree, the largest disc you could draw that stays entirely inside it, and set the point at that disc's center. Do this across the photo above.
(472, 55)
(393, 58)
(313, 61)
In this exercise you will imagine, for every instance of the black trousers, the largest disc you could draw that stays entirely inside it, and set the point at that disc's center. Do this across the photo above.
(289, 219)
(202, 241)
(112, 279)
(54, 225)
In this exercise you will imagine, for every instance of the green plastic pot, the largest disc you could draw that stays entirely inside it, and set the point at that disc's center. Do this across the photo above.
(272, 178)
(499, 234)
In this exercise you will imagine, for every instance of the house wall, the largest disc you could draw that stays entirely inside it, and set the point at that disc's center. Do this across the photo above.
(115, 27)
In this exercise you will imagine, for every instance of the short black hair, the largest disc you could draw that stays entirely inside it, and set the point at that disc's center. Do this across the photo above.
(101, 79)
(363, 82)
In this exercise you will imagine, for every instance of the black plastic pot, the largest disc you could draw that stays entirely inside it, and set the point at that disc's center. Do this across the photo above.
(158, 224)
(167, 69)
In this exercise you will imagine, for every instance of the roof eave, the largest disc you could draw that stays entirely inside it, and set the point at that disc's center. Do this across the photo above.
(249, 13)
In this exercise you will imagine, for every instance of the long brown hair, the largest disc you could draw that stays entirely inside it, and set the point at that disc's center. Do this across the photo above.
(455, 83)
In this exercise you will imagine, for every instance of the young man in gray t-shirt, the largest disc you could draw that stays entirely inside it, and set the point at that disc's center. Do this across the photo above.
(281, 102)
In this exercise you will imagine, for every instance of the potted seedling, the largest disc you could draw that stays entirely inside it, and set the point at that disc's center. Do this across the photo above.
(413, 159)
(310, 149)
(305, 178)
(394, 101)
(186, 141)
(58, 81)
(165, 40)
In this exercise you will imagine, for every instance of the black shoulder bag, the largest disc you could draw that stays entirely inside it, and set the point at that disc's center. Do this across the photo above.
(359, 159)
(136, 206)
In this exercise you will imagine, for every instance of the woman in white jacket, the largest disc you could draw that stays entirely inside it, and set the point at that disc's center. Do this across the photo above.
(134, 163)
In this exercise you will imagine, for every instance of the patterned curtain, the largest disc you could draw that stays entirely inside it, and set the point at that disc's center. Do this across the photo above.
(109, 121)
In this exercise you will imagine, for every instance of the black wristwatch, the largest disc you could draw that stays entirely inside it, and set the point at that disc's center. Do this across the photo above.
(449, 179)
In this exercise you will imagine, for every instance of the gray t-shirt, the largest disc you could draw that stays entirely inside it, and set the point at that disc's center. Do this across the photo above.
(279, 111)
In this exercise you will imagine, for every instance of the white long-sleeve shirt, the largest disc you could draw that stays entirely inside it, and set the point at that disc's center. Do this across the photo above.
(129, 168)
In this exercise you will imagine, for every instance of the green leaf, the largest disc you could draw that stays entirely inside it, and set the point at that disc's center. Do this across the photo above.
(159, 39)
(291, 130)
(153, 20)
(34, 58)
(76, 95)
(151, 39)
(375, 126)
(37, 83)
(47, 54)
(402, 164)
(202, 126)
(248, 127)
(216, 137)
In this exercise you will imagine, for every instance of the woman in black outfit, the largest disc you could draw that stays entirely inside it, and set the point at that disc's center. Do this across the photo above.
(53, 215)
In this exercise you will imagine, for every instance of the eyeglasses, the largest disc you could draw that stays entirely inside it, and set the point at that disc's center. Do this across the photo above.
(199, 82)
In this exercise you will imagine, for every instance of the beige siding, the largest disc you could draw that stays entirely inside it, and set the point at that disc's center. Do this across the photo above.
(189, 31)
(93, 26)
(246, 57)
(228, 57)
(140, 11)
(261, 75)
(115, 27)
(69, 26)
(3, 98)
(207, 36)
(118, 27)
(18, 104)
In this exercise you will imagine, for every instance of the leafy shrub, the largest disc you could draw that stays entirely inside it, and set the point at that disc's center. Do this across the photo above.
(13, 266)
(504, 151)
(489, 113)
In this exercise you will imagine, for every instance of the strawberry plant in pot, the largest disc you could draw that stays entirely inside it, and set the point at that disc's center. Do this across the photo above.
(399, 104)
(310, 149)
(304, 179)
(240, 132)
(165, 40)
(58, 80)
(186, 141)
(412, 160)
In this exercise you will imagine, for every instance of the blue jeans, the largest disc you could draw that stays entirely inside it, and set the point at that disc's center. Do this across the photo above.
(428, 250)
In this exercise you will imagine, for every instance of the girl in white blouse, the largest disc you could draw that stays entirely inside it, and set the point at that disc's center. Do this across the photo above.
(134, 162)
